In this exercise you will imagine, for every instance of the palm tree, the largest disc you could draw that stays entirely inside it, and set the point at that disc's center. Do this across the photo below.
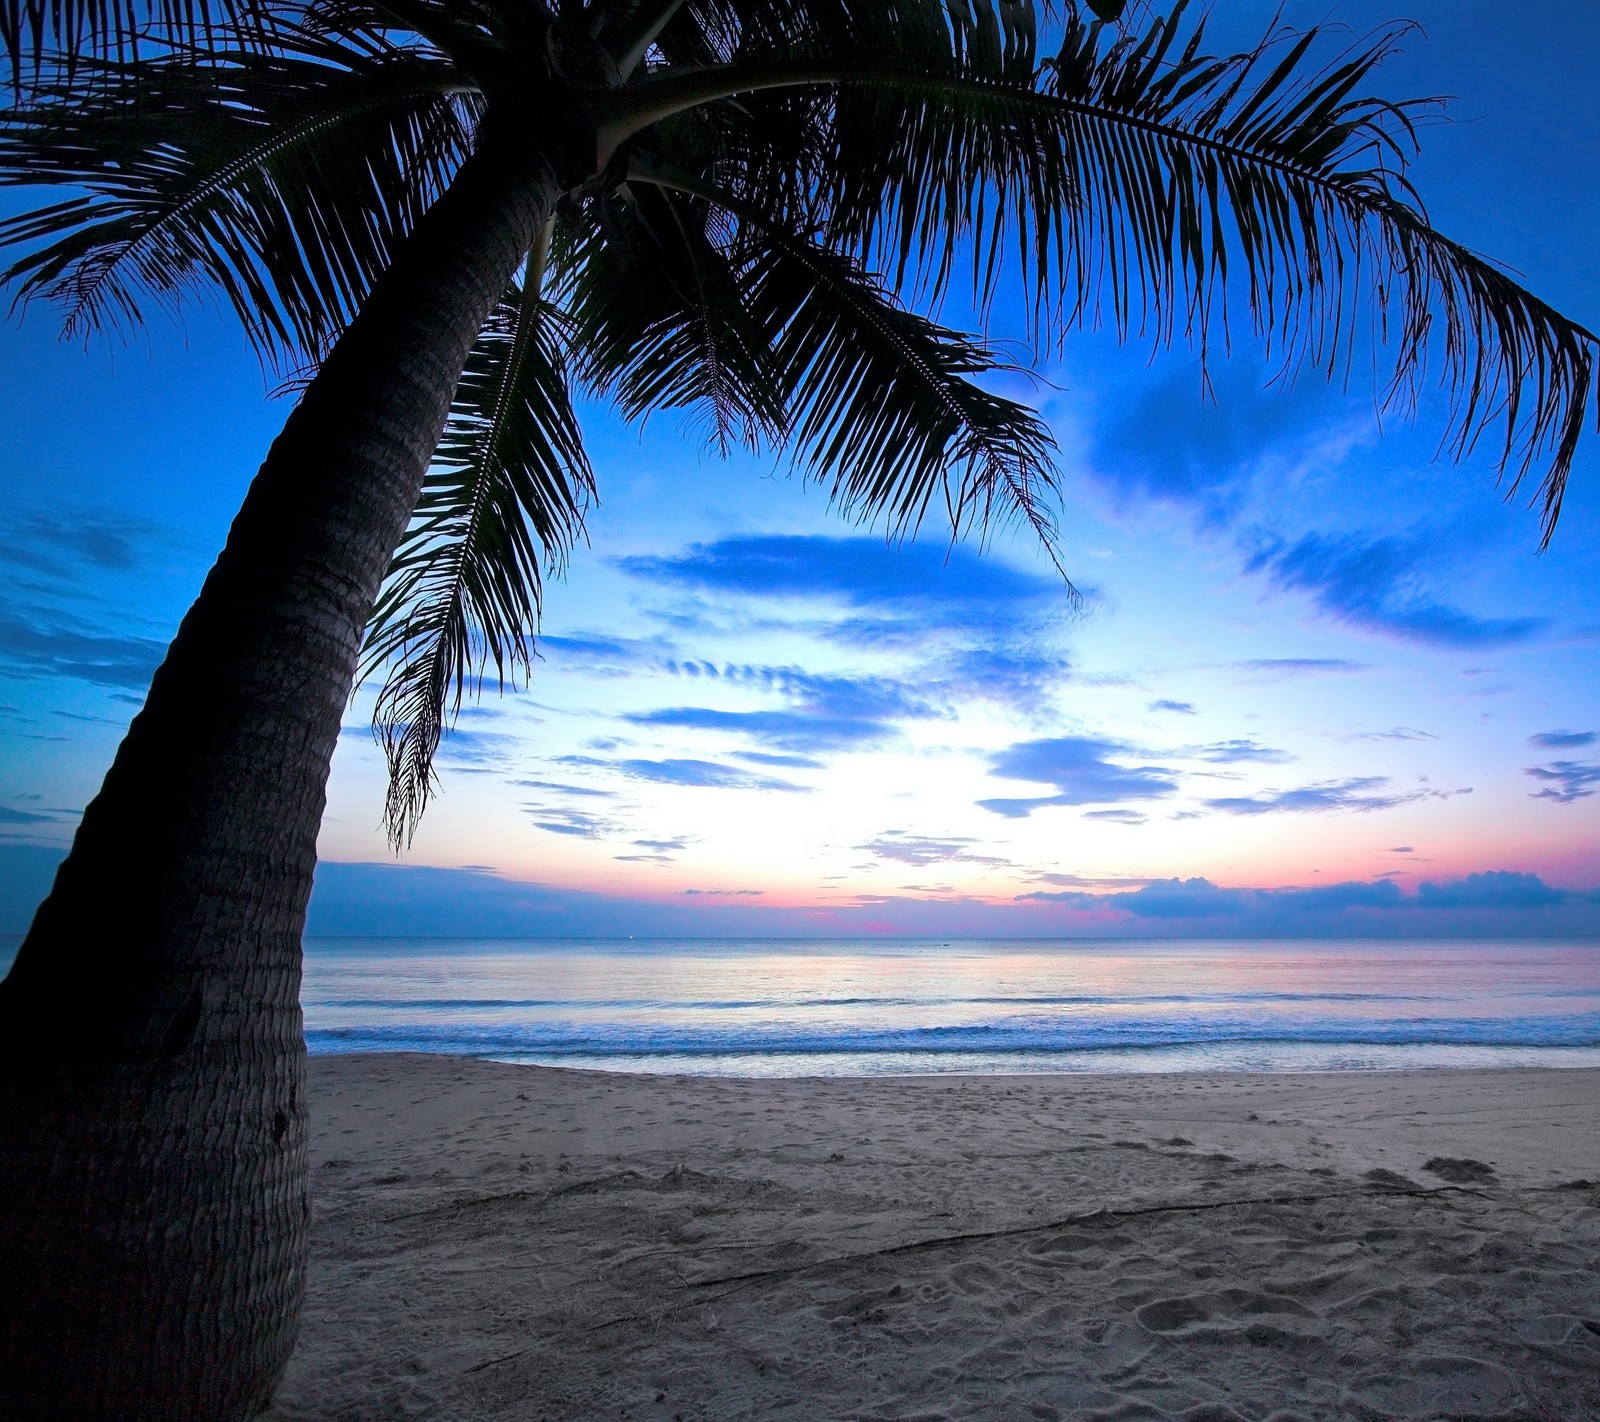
(452, 215)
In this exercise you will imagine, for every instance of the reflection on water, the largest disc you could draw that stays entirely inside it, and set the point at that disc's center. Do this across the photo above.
(761, 1008)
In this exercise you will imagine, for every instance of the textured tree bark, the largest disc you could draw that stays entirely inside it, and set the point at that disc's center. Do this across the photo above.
(153, 1178)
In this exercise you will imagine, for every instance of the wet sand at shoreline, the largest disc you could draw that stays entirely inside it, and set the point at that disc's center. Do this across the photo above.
(501, 1241)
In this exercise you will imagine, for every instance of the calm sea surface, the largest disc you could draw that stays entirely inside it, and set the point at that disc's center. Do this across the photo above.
(763, 1008)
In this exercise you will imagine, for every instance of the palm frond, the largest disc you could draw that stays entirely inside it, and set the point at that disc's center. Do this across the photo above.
(281, 179)
(503, 502)
(1129, 177)
(661, 320)
(881, 402)
(1139, 173)
(31, 29)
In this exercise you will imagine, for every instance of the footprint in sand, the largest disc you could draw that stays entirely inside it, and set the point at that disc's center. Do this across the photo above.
(1459, 1171)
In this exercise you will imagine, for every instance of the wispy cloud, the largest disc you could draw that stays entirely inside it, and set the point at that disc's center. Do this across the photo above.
(920, 850)
(1562, 740)
(862, 572)
(1174, 444)
(59, 651)
(559, 787)
(576, 823)
(779, 762)
(691, 774)
(827, 712)
(1566, 780)
(1181, 708)
(801, 731)
(1082, 770)
(53, 543)
(599, 656)
(889, 591)
(1362, 793)
(654, 851)
(1282, 668)
(1237, 752)
(1377, 584)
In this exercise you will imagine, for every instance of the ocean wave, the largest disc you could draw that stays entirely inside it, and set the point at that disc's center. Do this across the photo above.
(555, 1040)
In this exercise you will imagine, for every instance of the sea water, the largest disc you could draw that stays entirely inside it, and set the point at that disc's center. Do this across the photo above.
(867, 1008)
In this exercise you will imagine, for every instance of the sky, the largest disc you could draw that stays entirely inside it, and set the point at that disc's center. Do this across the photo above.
(1321, 681)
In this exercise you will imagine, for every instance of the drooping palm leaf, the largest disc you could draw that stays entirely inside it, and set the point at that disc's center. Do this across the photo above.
(691, 298)
(503, 502)
(884, 403)
(1131, 176)
(281, 178)
(661, 320)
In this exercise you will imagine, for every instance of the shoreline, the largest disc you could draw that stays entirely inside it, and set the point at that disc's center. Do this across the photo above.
(671, 1065)
(495, 1240)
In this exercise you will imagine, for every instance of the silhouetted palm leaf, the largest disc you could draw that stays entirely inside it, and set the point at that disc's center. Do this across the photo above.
(31, 28)
(662, 321)
(503, 502)
(282, 179)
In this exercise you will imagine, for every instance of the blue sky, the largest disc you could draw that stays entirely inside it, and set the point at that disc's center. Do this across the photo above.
(1320, 682)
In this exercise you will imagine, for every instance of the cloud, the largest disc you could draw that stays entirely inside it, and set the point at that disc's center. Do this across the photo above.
(1360, 793)
(407, 900)
(1175, 444)
(1399, 733)
(860, 572)
(557, 787)
(1102, 881)
(1329, 908)
(1081, 770)
(57, 651)
(657, 851)
(1181, 708)
(467, 748)
(787, 730)
(50, 543)
(1239, 752)
(9, 816)
(779, 762)
(575, 823)
(1117, 817)
(598, 655)
(1562, 740)
(1379, 893)
(695, 774)
(1375, 584)
(1181, 898)
(724, 893)
(919, 851)
(1495, 888)
(896, 590)
(829, 713)
(1022, 679)
(1279, 668)
(1566, 780)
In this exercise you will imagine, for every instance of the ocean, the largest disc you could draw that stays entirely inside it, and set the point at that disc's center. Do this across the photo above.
(869, 1008)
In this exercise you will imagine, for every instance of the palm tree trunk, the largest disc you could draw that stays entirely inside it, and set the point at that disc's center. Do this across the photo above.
(153, 1173)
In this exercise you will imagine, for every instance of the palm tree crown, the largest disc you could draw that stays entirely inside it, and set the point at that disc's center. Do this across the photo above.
(757, 193)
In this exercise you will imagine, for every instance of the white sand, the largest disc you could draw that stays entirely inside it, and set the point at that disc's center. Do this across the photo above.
(514, 1242)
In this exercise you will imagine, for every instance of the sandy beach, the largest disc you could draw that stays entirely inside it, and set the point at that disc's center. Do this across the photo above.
(498, 1241)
